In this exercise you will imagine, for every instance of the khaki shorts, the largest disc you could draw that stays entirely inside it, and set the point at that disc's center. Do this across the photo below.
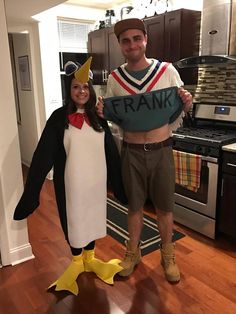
(149, 174)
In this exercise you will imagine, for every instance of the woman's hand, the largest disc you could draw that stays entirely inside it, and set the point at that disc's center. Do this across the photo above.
(99, 107)
(186, 97)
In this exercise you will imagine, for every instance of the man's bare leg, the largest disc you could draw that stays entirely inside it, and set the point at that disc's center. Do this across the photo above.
(135, 224)
(165, 225)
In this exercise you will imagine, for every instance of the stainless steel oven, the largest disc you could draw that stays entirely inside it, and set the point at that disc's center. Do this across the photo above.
(197, 210)
(209, 131)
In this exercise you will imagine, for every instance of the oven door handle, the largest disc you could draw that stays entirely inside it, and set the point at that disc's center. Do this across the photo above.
(210, 159)
(230, 165)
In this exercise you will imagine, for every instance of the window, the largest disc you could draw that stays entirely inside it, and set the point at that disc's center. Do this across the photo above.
(73, 35)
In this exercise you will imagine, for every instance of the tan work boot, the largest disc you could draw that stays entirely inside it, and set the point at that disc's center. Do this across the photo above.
(171, 269)
(131, 259)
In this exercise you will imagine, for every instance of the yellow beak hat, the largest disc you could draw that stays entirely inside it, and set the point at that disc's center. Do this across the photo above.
(81, 72)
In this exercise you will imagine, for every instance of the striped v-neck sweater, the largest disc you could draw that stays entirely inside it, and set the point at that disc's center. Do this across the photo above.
(160, 75)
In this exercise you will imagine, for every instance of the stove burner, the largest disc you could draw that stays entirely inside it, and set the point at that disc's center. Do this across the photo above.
(216, 135)
(203, 141)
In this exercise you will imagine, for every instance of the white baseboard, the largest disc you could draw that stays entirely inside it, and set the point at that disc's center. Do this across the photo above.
(21, 254)
(25, 163)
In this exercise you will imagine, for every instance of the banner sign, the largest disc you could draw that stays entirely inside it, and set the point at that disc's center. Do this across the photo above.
(144, 112)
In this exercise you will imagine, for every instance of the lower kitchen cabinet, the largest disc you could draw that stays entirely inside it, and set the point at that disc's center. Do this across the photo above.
(227, 214)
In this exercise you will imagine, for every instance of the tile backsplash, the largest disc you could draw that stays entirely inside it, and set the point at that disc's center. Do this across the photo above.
(215, 84)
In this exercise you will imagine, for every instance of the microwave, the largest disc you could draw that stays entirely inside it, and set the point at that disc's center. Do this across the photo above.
(80, 57)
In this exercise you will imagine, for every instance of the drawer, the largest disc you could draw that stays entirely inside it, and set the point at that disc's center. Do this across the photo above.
(229, 163)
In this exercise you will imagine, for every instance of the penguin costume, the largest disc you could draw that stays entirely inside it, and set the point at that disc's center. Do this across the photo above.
(80, 148)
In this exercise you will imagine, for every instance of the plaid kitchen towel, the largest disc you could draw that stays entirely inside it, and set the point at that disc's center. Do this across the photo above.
(187, 170)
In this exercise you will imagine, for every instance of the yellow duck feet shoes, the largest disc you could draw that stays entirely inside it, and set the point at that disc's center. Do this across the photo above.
(131, 259)
(168, 263)
(104, 270)
(67, 281)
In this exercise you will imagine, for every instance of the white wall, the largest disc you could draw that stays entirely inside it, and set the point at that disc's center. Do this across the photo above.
(27, 126)
(49, 47)
(186, 4)
(145, 9)
(14, 244)
(36, 70)
(49, 44)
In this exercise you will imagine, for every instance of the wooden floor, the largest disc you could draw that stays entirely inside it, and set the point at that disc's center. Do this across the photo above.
(208, 275)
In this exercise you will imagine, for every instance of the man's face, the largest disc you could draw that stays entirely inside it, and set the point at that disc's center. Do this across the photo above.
(133, 44)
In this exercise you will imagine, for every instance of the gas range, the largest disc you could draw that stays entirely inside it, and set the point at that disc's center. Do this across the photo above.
(213, 125)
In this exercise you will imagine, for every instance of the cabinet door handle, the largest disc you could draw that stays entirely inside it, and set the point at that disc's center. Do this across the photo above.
(231, 165)
(103, 76)
(222, 188)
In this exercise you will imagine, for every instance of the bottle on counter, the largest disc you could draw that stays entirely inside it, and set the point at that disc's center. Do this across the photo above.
(109, 18)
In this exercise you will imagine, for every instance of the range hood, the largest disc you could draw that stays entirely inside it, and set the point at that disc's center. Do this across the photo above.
(218, 35)
(206, 60)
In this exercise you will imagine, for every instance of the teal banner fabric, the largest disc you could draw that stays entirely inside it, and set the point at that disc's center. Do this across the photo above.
(144, 112)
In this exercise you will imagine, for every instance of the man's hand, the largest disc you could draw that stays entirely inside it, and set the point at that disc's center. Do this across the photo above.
(186, 97)
(99, 107)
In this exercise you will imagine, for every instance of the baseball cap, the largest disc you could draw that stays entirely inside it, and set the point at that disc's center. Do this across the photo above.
(132, 23)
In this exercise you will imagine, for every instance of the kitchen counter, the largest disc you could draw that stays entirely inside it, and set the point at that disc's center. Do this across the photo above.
(230, 148)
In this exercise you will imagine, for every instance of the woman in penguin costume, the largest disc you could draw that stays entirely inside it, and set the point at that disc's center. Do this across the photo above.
(79, 146)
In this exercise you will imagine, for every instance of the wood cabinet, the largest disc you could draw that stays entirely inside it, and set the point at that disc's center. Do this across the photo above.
(97, 43)
(104, 47)
(227, 213)
(171, 36)
(156, 37)
(115, 56)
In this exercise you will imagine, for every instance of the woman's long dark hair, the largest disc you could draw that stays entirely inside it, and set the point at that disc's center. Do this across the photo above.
(89, 106)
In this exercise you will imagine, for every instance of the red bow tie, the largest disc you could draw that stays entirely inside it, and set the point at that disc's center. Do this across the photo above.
(77, 119)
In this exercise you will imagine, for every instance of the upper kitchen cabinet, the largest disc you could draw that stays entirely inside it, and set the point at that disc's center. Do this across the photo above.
(182, 32)
(97, 48)
(104, 47)
(115, 56)
(156, 37)
(173, 36)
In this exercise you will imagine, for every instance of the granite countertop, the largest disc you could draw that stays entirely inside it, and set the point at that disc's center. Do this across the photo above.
(230, 148)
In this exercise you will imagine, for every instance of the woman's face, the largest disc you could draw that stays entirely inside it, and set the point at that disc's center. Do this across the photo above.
(79, 93)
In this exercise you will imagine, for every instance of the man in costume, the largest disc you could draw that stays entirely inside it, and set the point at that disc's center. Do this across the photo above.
(147, 158)
(80, 148)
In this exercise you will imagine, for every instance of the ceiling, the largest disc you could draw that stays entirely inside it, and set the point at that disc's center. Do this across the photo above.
(18, 12)
(105, 4)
